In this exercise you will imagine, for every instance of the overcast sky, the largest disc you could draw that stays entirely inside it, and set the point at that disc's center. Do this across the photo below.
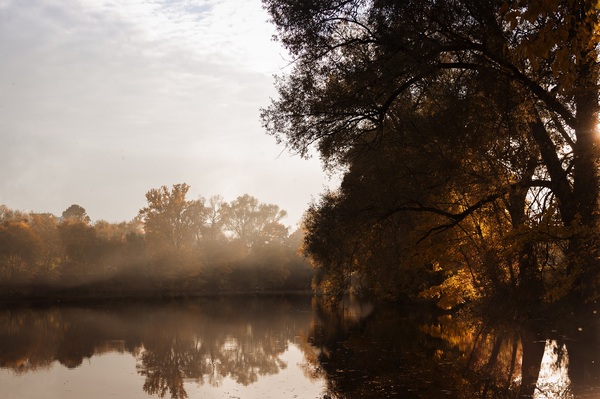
(102, 100)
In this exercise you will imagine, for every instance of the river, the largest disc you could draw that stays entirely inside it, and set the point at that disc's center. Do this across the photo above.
(287, 347)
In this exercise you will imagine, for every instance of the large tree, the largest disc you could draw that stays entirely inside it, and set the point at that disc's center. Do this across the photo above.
(503, 92)
(76, 212)
(170, 220)
(254, 223)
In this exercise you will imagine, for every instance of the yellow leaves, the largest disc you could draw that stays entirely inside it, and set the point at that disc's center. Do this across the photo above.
(528, 11)
(554, 35)
(562, 62)
(454, 291)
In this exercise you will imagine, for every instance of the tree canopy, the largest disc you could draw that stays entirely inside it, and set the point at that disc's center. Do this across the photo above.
(467, 134)
(76, 212)
(175, 245)
(254, 223)
(169, 218)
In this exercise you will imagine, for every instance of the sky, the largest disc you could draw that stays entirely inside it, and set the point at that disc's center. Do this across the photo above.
(103, 100)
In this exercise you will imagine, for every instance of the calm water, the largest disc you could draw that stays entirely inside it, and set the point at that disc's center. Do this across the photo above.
(287, 347)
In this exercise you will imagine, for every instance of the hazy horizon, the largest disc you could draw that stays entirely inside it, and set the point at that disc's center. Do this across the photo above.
(102, 101)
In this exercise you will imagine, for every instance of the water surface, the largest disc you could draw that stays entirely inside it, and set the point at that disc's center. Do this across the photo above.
(287, 347)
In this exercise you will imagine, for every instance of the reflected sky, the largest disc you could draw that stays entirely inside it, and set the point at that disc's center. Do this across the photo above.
(113, 375)
(286, 347)
(214, 348)
(554, 381)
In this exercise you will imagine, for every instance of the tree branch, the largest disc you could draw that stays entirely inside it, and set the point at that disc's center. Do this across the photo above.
(455, 218)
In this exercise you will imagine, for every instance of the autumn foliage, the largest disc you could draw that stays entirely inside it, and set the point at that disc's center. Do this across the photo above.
(466, 134)
(174, 246)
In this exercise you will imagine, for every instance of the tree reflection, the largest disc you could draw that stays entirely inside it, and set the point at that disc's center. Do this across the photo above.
(35, 338)
(411, 353)
(167, 363)
(385, 355)
(241, 340)
(554, 380)
(197, 341)
(361, 351)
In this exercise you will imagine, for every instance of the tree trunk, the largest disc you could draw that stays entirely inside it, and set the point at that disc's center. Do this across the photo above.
(530, 286)
(533, 353)
(583, 250)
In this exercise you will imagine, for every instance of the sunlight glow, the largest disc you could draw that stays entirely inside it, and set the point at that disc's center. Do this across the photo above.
(553, 381)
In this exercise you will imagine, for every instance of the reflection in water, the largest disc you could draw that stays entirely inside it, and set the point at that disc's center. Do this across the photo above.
(181, 349)
(241, 341)
(553, 380)
(241, 346)
(175, 344)
(408, 353)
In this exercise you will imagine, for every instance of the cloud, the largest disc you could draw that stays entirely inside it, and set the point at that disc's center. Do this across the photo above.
(102, 100)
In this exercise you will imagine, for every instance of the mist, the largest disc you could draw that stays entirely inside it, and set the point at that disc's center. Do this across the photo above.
(173, 246)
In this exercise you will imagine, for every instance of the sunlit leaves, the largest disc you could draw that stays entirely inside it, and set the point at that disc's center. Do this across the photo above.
(456, 290)
(555, 36)
(466, 132)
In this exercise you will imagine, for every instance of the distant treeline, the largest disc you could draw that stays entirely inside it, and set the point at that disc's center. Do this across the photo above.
(173, 246)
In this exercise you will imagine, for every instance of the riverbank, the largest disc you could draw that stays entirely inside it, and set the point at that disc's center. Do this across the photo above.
(32, 295)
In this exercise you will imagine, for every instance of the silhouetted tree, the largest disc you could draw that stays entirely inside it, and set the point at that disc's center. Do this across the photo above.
(213, 227)
(254, 223)
(76, 212)
(506, 93)
(170, 219)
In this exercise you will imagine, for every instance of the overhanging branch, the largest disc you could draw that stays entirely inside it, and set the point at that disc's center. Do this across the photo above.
(455, 218)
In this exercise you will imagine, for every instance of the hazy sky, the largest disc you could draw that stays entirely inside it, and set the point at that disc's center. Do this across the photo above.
(102, 100)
